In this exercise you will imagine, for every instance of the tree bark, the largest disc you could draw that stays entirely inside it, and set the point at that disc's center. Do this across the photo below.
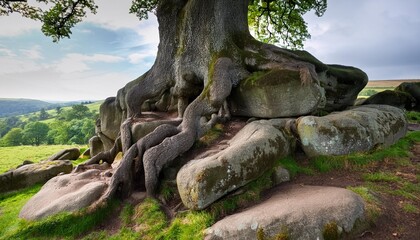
(205, 50)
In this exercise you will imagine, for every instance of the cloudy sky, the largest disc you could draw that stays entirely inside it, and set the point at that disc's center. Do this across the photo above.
(111, 48)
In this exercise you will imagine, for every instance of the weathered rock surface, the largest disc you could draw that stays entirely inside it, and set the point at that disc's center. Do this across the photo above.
(95, 145)
(299, 211)
(412, 88)
(32, 174)
(342, 84)
(358, 129)
(141, 129)
(277, 93)
(110, 118)
(398, 99)
(66, 154)
(70, 192)
(253, 150)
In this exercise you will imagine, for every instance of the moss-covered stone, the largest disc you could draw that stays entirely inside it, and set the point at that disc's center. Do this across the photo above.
(275, 93)
(253, 151)
(355, 130)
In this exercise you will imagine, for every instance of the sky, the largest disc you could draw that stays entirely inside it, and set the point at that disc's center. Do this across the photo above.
(111, 48)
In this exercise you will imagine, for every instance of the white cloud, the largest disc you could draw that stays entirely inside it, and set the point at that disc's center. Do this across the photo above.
(33, 53)
(76, 62)
(15, 25)
(7, 52)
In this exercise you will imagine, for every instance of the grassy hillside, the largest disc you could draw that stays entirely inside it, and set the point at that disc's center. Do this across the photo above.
(11, 107)
(11, 157)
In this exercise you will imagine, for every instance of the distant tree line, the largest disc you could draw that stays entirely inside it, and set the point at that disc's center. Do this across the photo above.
(73, 126)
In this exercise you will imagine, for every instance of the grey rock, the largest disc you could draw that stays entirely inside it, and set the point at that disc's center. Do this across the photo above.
(274, 94)
(141, 129)
(393, 98)
(280, 175)
(31, 174)
(111, 116)
(301, 211)
(342, 84)
(66, 154)
(412, 88)
(95, 145)
(66, 193)
(358, 129)
(25, 162)
(253, 150)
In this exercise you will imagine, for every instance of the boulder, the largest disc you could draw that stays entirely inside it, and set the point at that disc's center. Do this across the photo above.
(412, 88)
(111, 117)
(66, 154)
(86, 153)
(66, 193)
(25, 162)
(297, 212)
(393, 98)
(342, 84)
(142, 128)
(355, 130)
(252, 151)
(32, 174)
(95, 145)
(276, 93)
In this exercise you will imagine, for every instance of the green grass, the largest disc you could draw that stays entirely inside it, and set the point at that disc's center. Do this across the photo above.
(413, 117)
(10, 157)
(62, 226)
(410, 208)
(364, 92)
(381, 177)
(399, 150)
(293, 167)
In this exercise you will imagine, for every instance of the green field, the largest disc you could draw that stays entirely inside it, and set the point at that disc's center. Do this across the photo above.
(11, 157)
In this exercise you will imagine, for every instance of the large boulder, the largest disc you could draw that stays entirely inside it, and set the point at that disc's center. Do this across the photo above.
(398, 99)
(250, 153)
(95, 145)
(142, 128)
(66, 193)
(412, 88)
(297, 212)
(66, 154)
(111, 117)
(358, 129)
(276, 93)
(31, 174)
(342, 84)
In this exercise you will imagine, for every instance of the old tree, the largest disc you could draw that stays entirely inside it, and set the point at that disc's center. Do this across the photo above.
(205, 52)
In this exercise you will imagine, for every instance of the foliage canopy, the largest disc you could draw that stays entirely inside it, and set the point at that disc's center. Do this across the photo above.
(275, 21)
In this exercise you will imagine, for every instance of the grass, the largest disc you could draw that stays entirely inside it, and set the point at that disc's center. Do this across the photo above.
(61, 226)
(10, 157)
(413, 117)
(399, 150)
(381, 177)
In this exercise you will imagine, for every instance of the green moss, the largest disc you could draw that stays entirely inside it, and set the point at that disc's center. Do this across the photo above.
(260, 234)
(330, 231)
(270, 78)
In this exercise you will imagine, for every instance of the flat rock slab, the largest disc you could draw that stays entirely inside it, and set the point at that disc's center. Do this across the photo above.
(300, 211)
(31, 174)
(66, 193)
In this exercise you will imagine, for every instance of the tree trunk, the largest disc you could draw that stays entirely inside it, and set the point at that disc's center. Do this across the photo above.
(205, 50)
